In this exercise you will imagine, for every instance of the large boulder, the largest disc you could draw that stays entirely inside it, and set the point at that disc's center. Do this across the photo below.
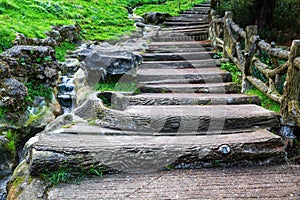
(101, 62)
(155, 17)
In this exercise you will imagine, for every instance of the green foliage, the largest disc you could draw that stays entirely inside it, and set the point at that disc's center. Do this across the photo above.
(37, 90)
(235, 72)
(61, 50)
(70, 175)
(286, 18)
(265, 101)
(12, 138)
(3, 112)
(112, 85)
(61, 175)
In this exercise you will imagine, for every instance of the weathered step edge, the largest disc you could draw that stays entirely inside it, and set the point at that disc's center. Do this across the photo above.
(144, 154)
(191, 118)
(227, 88)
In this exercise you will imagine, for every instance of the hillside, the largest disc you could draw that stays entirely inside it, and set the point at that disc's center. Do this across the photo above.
(100, 19)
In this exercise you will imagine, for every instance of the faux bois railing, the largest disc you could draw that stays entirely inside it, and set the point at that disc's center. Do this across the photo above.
(243, 48)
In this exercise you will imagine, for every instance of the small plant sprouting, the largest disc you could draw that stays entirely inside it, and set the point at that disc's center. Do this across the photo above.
(69, 175)
(12, 137)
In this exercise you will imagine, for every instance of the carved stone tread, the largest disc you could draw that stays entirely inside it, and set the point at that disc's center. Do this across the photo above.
(177, 50)
(177, 56)
(186, 75)
(202, 18)
(183, 63)
(184, 28)
(190, 118)
(179, 23)
(150, 153)
(190, 88)
(181, 44)
(190, 99)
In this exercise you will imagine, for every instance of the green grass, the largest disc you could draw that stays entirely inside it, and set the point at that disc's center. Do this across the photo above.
(172, 7)
(265, 101)
(100, 20)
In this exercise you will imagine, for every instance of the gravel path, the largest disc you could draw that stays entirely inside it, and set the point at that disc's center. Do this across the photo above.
(276, 182)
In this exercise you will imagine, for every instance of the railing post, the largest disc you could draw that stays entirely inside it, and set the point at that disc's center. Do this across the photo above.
(226, 35)
(290, 92)
(212, 28)
(249, 53)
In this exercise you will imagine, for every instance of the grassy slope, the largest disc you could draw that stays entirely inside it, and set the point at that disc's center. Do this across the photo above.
(100, 19)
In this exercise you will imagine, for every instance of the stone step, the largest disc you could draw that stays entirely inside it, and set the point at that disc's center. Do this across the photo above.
(177, 56)
(184, 31)
(179, 23)
(151, 153)
(202, 16)
(186, 75)
(183, 64)
(222, 88)
(201, 12)
(187, 19)
(180, 44)
(200, 9)
(185, 28)
(178, 50)
(203, 5)
(173, 37)
(201, 119)
(190, 99)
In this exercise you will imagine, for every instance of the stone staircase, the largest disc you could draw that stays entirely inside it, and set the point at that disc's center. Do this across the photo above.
(188, 115)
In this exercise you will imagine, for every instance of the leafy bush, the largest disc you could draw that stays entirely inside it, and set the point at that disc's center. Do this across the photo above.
(61, 51)
(235, 72)
(286, 19)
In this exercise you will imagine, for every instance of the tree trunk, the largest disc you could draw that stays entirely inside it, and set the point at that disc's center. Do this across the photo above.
(264, 15)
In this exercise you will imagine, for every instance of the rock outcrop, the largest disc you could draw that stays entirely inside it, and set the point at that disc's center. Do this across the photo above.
(56, 36)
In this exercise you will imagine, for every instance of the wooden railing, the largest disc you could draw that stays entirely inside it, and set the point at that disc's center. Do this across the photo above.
(243, 48)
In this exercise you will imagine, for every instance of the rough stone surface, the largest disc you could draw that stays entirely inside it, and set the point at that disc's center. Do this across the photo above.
(273, 183)
(188, 118)
(103, 61)
(191, 99)
(4, 70)
(147, 153)
(23, 186)
(191, 75)
(221, 88)
(12, 93)
(70, 66)
(32, 62)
